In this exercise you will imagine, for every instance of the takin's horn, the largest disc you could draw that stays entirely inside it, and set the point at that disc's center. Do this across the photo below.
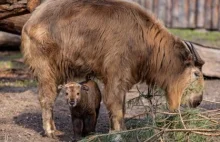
(197, 59)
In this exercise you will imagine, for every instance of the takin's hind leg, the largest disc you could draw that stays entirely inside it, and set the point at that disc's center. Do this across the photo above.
(47, 97)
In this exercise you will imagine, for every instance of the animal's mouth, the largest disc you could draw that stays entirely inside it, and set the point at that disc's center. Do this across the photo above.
(72, 103)
(193, 94)
(193, 102)
(196, 101)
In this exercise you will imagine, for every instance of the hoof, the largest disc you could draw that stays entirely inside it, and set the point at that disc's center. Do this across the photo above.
(58, 133)
(51, 135)
(54, 134)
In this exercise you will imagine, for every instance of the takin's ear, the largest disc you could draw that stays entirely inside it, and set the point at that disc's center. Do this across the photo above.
(189, 59)
(85, 87)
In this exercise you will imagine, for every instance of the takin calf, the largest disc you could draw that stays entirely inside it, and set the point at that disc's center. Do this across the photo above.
(117, 40)
(84, 102)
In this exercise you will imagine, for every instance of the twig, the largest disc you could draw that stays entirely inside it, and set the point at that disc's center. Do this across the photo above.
(214, 125)
(169, 113)
(192, 130)
(151, 92)
(211, 101)
(207, 134)
(181, 119)
(188, 137)
(152, 138)
(210, 119)
(161, 140)
(202, 109)
(167, 125)
(6, 137)
(135, 116)
(138, 140)
(214, 114)
(140, 93)
(165, 130)
(205, 117)
(210, 111)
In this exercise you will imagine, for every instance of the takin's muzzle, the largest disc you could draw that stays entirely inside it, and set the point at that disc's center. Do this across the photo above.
(193, 94)
(195, 101)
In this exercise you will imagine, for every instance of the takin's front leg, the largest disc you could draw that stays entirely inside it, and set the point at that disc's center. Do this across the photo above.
(47, 96)
(114, 99)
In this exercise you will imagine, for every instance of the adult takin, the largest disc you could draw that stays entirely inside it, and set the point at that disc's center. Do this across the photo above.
(117, 40)
(84, 103)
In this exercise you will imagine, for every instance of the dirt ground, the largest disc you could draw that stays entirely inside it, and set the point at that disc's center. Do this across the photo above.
(20, 113)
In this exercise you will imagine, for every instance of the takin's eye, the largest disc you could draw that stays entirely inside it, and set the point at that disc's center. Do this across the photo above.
(77, 94)
(66, 94)
(197, 74)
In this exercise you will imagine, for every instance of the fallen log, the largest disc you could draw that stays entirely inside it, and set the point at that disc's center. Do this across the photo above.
(14, 13)
(211, 56)
(9, 41)
(14, 24)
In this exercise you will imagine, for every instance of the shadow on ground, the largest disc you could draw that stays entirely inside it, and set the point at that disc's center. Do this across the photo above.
(63, 123)
(33, 121)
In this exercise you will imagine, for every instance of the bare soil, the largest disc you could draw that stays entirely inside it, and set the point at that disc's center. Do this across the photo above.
(20, 112)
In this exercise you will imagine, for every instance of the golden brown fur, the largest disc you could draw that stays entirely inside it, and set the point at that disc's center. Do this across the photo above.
(118, 41)
(84, 101)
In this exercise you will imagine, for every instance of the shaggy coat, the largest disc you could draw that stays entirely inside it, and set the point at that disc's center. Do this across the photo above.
(117, 40)
(84, 101)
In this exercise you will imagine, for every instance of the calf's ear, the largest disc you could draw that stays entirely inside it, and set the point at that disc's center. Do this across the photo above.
(85, 87)
(60, 87)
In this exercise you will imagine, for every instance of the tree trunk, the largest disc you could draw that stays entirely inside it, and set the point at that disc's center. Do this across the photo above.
(9, 41)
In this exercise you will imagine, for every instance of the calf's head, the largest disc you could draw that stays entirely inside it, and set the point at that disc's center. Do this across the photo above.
(73, 92)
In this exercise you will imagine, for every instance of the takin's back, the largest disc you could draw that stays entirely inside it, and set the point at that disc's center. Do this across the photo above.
(89, 35)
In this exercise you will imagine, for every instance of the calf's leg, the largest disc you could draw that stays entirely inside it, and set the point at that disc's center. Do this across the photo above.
(89, 123)
(77, 127)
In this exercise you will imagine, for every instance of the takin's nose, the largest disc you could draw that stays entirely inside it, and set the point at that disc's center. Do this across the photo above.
(72, 103)
(196, 101)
